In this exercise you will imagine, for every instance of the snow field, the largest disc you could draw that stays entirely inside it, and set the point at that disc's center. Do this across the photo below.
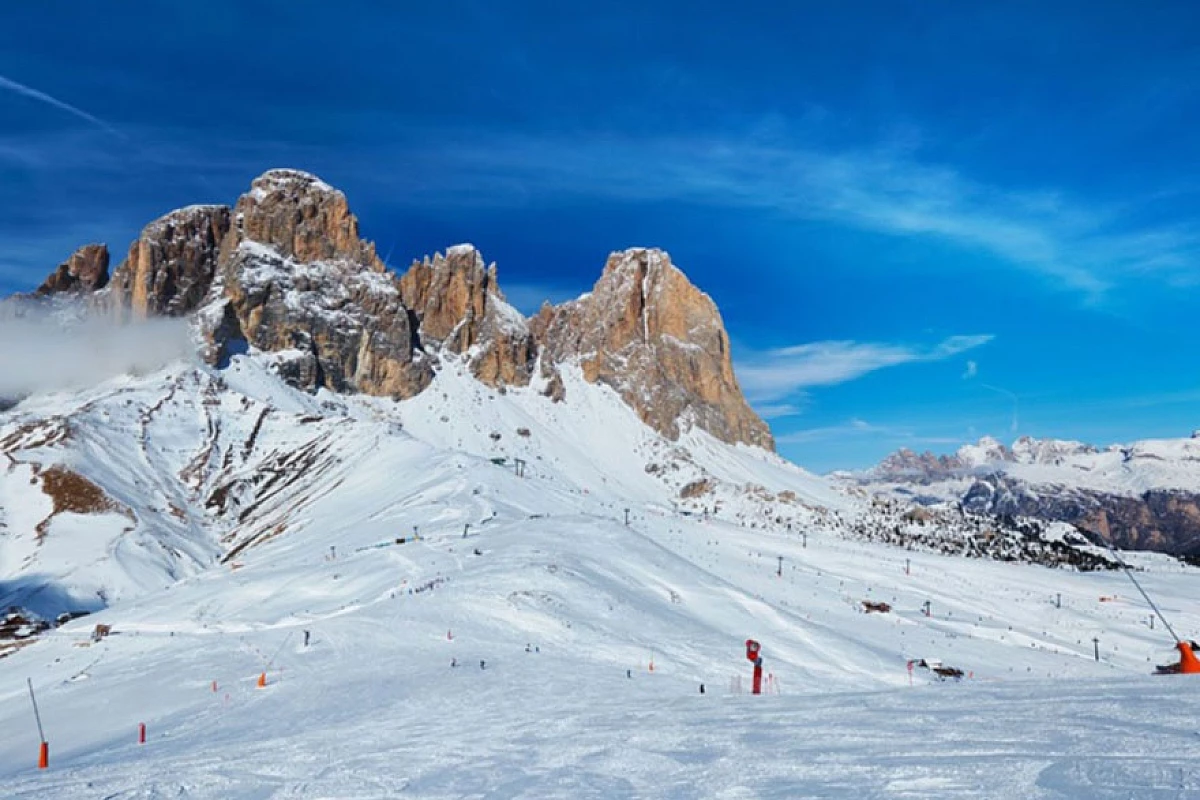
(371, 708)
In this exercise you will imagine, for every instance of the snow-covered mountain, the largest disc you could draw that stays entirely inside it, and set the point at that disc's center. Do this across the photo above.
(226, 525)
(1144, 495)
(345, 481)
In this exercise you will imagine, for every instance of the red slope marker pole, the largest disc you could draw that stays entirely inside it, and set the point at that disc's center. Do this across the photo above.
(141, 733)
(44, 748)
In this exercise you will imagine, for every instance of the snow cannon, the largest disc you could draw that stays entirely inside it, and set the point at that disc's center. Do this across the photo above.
(1188, 664)
(752, 648)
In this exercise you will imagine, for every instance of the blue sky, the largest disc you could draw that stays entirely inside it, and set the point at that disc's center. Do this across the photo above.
(923, 222)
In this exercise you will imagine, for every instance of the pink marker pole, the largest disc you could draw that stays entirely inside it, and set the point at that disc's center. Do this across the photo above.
(141, 733)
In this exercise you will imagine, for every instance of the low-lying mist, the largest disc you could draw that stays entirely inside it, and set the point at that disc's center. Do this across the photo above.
(43, 350)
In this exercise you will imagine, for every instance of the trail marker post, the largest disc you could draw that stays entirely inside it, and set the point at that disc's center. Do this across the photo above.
(1096, 645)
(44, 746)
(779, 571)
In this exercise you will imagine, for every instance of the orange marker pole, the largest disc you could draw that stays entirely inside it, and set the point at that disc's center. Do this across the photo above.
(262, 679)
(44, 749)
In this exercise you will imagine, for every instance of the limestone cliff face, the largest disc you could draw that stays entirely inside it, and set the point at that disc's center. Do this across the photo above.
(1159, 519)
(171, 266)
(460, 308)
(302, 218)
(295, 278)
(646, 331)
(84, 272)
(286, 272)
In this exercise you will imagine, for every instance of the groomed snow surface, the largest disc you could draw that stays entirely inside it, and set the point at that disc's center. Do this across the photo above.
(555, 611)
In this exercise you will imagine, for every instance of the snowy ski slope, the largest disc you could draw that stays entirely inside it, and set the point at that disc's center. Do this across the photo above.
(244, 514)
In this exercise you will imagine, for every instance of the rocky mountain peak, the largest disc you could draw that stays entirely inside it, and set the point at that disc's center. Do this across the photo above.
(906, 463)
(301, 217)
(296, 279)
(84, 272)
(285, 272)
(1028, 450)
(459, 308)
(986, 451)
(172, 264)
(646, 331)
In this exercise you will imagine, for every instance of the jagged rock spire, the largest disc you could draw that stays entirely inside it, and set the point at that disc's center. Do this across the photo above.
(285, 271)
(659, 341)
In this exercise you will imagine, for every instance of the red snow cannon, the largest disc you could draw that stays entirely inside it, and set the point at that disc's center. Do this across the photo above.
(752, 648)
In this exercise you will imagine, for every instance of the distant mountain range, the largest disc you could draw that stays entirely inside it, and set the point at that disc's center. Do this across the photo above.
(1144, 495)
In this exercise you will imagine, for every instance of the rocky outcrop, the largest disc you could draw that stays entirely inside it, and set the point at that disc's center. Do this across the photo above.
(1164, 520)
(286, 272)
(302, 218)
(84, 272)
(295, 279)
(459, 308)
(171, 266)
(906, 464)
(646, 331)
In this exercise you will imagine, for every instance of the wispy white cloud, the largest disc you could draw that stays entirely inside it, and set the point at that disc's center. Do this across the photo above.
(853, 427)
(769, 377)
(859, 429)
(1015, 424)
(779, 410)
(971, 371)
(1079, 244)
(42, 97)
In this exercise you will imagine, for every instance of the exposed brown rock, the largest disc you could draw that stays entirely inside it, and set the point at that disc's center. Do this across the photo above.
(659, 341)
(84, 272)
(1159, 519)
(71, 492)
(171, 266)
(296, 279)
(286, 272)
(459, 307)
(302, 218)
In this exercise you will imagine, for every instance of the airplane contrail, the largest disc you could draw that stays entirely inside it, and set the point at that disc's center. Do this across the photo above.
(30, 92)
(1015, 400)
